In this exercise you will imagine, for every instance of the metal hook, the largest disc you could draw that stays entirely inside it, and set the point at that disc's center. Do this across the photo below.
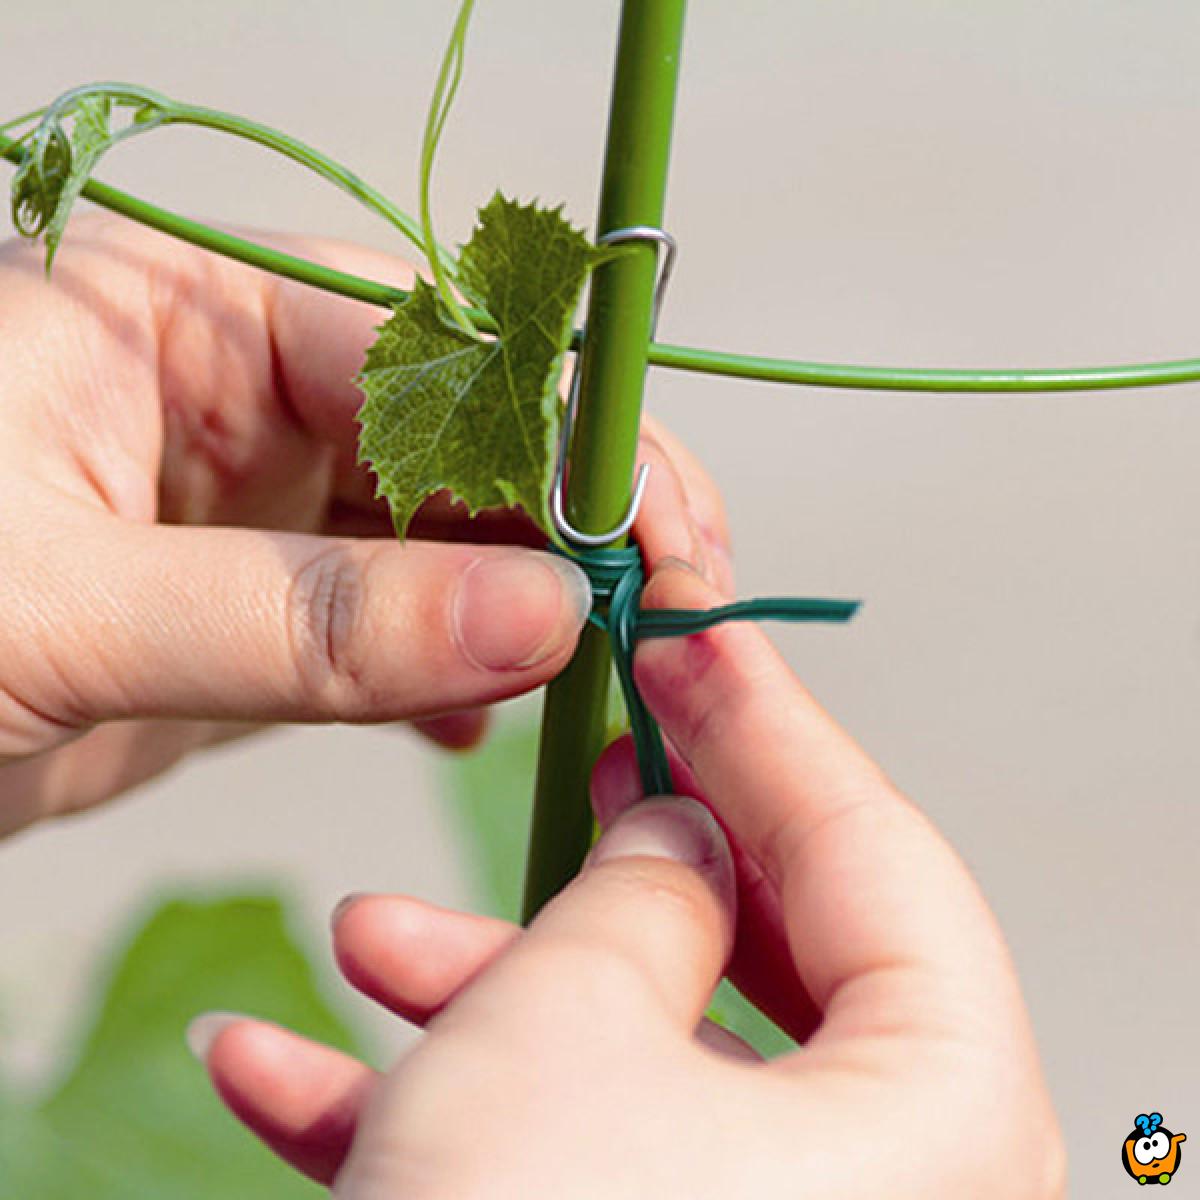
(648, 233)
(557, 491)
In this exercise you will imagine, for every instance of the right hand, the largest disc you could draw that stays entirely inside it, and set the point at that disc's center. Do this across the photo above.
(566, 1060)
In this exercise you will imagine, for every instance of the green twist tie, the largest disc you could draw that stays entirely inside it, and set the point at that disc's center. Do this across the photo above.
(617, 580)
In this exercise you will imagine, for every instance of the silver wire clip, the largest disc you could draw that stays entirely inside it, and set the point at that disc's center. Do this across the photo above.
(634, 233)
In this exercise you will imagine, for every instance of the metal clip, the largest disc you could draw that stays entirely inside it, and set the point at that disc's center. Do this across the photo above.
(557, 501)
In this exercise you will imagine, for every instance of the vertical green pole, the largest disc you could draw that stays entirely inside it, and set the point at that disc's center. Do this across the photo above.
(604, 445)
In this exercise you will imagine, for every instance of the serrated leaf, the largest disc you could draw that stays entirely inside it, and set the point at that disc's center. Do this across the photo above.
(480, 418)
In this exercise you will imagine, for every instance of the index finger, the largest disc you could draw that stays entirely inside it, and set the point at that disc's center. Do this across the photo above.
(883, 921)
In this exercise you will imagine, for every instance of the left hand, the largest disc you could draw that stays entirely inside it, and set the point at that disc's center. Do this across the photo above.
(189, 548)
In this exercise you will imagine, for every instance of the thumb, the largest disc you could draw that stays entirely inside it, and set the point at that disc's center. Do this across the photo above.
(643, 933)
(222, 623)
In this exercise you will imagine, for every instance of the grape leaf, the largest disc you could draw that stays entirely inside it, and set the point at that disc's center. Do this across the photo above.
(444, 410)
(56, 168)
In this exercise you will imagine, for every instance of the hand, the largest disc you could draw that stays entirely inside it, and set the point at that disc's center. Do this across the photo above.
(151, 386)
(569, 1060)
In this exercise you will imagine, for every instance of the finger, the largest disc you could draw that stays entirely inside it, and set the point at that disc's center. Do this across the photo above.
(301, 1098)
(761, 963)
(704, 500)
(112, 758)
(455, 731)
(636, 943)
(414, 958)
(665, 526)
(410, 956)
(725, 1042)
(443, 519)
(884, 923)
(236, 624)
(319, 342)
(97, 765)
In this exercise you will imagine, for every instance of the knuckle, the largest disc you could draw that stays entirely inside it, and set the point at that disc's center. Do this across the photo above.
(326, 605)
(27, 729)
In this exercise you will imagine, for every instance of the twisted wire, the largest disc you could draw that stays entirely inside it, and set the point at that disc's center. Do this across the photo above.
(617, 580)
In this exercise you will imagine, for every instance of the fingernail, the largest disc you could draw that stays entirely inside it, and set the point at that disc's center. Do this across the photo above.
(678, 564)
(342, 906)
(204, 1030)
(517, 609)
(672, 827)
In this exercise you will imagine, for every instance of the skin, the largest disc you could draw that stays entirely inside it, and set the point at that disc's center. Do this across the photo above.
(570, 1059)
(191, 551)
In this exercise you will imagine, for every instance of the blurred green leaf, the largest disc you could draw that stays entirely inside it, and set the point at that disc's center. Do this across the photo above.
(136, 1116)
(491, 794)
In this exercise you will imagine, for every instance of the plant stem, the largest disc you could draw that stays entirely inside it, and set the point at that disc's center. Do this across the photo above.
(679, 358)
(17, 122)
(925, 379)
(156, 110)
(604, 444)
(306, 156)
(685, 358)
(229, 245)
(449, 77)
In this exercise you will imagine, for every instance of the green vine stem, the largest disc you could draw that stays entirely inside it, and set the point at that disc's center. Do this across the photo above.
(229, 245)
(449, 77)
(17, 122)
(155, 110)
(673, 357)
(604, 445)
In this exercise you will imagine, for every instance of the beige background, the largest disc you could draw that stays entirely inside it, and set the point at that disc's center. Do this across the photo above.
(892, 181)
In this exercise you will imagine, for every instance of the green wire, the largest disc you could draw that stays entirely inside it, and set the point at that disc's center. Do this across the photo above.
(682, 358)
(679, 622)
(617, 578)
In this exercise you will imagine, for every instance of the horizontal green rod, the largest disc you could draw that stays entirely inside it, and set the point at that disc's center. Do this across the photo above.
(925, 379)
(230, 245)
(684, 358)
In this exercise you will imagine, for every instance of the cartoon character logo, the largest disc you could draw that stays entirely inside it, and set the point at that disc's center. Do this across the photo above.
(1151, 1153)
